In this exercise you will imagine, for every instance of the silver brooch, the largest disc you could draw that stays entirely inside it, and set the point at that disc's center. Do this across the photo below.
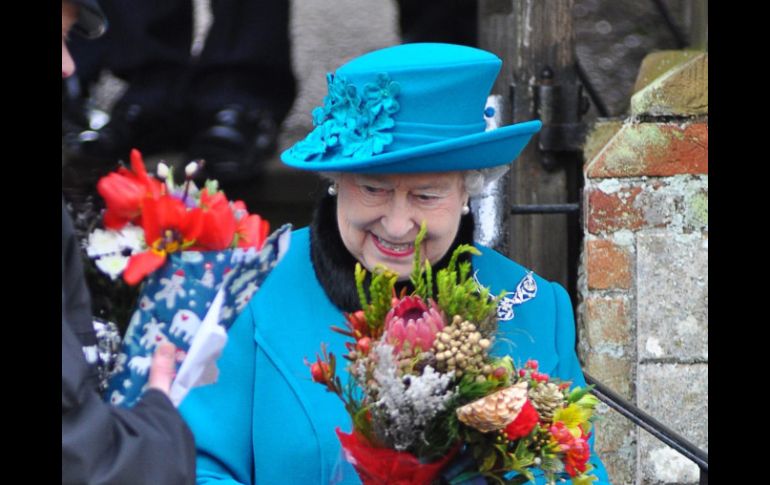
(525, 291)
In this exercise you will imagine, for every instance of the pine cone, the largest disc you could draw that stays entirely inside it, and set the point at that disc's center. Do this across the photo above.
(460, 347)
(546, 398)
(495, 411)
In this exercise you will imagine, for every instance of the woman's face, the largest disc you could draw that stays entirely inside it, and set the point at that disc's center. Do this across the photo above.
(379, 216)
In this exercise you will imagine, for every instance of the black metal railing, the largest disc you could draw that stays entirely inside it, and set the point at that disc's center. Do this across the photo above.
(545, 208)
(652, 426)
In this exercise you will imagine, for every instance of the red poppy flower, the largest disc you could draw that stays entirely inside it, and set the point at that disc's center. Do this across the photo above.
(125, 191)
(252, 231)
(219, 224)
(524, 423)
(168, 227)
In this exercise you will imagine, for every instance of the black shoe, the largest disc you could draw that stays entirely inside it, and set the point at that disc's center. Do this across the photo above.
(133, 125)
(235, 143)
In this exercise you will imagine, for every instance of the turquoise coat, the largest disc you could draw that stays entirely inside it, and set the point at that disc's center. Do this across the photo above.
(266, 422)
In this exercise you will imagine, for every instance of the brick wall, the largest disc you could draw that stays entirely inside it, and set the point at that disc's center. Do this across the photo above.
(643, 316)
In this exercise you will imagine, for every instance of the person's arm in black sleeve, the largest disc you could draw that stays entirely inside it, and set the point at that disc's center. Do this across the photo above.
(149, 443)
(101, 444)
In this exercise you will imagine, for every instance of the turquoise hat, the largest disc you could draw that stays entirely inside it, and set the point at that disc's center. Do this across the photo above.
(409, 108)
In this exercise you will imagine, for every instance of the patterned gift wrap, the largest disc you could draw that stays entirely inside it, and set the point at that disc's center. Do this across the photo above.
(175, 299)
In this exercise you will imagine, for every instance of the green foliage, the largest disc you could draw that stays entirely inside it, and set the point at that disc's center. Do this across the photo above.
(469, 389)
(440, 434)
(419, 283)
(360, 275)
(578, 393)
(458, 294)
(211, 186)
(380, 291)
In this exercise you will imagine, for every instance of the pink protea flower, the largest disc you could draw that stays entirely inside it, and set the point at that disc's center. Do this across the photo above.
(412, 322)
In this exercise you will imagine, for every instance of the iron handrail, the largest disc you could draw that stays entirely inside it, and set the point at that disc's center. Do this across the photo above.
(652, 426)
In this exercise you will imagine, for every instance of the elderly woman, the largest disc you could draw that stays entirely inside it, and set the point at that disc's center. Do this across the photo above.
(401, 139)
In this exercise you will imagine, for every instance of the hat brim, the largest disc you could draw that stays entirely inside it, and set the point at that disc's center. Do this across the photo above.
(480, 150)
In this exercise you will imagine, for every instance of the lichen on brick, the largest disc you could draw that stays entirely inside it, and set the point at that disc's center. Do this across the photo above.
(697, 214)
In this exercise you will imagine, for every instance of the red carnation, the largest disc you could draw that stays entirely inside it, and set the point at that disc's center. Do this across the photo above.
(525, 421)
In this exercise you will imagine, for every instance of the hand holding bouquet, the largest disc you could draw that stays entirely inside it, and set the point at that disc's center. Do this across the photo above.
(200, 258)
(422, 386)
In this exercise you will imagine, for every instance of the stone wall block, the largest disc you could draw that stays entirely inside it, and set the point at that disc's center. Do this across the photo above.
(676, 395)
(679, 91)
(672, 296)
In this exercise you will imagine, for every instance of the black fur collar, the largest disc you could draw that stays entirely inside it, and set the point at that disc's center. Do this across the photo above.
(334, 265)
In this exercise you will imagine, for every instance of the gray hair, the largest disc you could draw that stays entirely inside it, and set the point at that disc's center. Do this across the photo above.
(475, 180)
(478, 179)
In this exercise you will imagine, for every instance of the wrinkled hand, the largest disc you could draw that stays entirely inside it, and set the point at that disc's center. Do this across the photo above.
(163, 367)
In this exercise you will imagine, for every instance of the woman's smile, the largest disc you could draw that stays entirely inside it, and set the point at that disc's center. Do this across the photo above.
(392, 249)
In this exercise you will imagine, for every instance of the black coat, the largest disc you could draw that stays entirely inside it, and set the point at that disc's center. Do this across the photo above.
(149, 443)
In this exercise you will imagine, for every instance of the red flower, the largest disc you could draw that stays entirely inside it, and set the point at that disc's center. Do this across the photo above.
(320, 372)
(252, 231)
(412, 321)
(524, 423)
(218, 222)
(537, 376)
(575, 449)
(125, 191)
(357, 321)
(364, 345)
(168, 227)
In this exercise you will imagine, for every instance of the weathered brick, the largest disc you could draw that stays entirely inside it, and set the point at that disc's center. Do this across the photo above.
(617, 373)
(653, 149)
(672, 295)
(677, 396)
(607, 212)
(679, 91)
(606, 322)
(601, 133)
(608, 266)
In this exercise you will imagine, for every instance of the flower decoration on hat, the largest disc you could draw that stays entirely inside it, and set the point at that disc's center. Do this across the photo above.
(352, 123)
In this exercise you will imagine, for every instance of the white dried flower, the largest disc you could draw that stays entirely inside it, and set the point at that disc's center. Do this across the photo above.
(131, 237)
(408, 403)
(190, 169)
(101, 242)
(112, 265)
(162, 170)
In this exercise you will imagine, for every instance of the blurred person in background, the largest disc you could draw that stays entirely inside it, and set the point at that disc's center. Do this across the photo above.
(149, 443)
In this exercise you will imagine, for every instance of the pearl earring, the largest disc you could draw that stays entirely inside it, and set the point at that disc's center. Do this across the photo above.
(466, 210)
(332, 190)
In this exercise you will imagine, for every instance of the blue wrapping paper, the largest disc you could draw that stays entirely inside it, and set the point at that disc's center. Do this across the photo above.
(174, 302)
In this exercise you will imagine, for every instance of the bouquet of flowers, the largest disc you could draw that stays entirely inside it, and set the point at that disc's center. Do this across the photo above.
(200, 258)
(422, 387)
